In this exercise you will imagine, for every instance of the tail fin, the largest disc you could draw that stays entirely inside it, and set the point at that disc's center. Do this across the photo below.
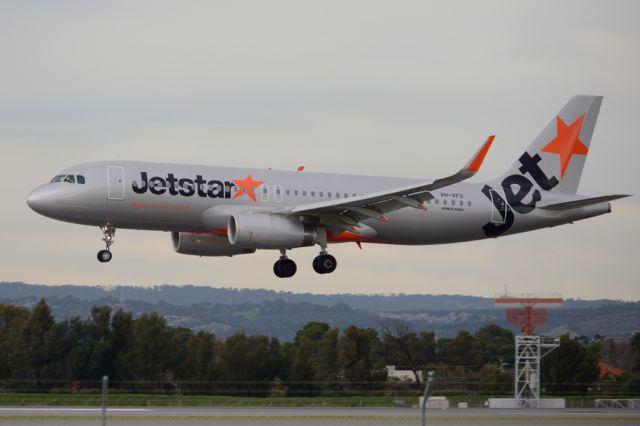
(558, 154)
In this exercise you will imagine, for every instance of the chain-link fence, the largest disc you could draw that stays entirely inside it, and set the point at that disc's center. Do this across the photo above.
(470, 389)
(453, 401)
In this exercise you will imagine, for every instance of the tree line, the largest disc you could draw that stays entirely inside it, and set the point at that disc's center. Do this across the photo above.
(146, 354)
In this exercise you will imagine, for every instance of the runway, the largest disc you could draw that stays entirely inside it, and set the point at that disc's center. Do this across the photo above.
(196, 416)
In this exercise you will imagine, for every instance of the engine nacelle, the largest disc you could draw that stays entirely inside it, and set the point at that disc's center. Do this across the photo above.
(205, 245)
(269, 231)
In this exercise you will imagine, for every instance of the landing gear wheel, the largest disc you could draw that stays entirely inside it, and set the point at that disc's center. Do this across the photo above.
(316, 265)
(104, 256)
(276, 269)
(288, 268)
(285, 268)
(324, 264)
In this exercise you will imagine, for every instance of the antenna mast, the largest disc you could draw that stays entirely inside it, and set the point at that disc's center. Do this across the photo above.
(528, 312)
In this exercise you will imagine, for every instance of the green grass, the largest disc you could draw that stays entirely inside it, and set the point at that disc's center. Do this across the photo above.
(198, 400)
(118, 399)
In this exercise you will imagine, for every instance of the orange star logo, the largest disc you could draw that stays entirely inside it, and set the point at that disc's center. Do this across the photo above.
(246, 186)
(567, 142)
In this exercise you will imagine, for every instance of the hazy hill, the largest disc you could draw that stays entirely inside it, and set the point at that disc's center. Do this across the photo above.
(189, 294)
(281, 314)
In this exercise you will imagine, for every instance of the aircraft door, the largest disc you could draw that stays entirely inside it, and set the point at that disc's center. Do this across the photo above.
(498, 208)
(115, 179)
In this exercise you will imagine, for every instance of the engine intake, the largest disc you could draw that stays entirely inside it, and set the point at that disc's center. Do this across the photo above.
(269, 231)
(205, 245)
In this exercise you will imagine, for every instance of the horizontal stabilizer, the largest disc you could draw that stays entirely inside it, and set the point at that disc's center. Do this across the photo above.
(582, 203)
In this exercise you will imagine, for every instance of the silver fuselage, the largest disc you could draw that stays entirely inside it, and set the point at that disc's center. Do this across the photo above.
(457, 213)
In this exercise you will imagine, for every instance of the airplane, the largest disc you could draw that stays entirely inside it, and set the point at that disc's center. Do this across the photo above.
(228, 211)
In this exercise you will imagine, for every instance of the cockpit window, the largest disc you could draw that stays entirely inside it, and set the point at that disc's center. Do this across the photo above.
(68, 179)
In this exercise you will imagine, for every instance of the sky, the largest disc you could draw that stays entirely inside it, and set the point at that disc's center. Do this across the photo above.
(407, 88)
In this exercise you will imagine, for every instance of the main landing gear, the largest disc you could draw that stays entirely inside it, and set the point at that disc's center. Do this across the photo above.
(108, 232)
(324, 263)
(284, 267)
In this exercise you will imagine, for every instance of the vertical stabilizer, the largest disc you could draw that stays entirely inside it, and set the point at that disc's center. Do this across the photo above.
(561, 149)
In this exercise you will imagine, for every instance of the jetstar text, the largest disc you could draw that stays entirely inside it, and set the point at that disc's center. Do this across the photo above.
(515, 199)
(182, 186)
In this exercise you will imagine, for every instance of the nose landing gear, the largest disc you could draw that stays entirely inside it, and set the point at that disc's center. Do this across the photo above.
(284, 267)
(108, 232)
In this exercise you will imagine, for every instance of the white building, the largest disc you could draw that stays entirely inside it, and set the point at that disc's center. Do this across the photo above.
(402, 375)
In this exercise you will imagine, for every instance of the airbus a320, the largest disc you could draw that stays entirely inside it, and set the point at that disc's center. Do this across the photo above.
(227, 211)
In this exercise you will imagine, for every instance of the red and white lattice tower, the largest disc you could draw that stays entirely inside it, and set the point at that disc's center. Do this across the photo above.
(528, 312)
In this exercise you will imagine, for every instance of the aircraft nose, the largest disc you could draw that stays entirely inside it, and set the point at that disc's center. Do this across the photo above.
(40, 199)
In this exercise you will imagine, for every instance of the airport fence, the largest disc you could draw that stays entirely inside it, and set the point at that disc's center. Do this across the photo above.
(279, 392)
(100, 402)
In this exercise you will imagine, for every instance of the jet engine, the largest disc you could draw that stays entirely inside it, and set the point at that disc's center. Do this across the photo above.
(269, 231)
(205, 245)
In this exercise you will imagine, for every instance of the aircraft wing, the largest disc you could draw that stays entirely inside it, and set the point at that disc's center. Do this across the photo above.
(352, 210)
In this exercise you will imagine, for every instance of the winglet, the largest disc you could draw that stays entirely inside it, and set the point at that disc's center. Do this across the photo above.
(474, 164)
(468, 170)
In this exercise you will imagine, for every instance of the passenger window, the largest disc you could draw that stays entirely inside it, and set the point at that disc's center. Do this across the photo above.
(286, 192)
(295, 192)
(329, 194)
(320, 194)
(444, 202)
(313, 193)
(337, 195)
(278, 193)
(469, 203)
(346, 195)
(70, 179)
(437, 201)
(265, 193)
(80, 179)
(304, 193)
